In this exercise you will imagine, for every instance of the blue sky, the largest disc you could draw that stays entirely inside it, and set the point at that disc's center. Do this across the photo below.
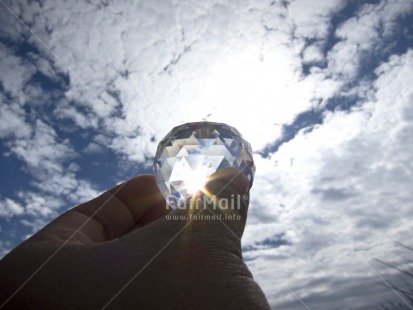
(321, 89)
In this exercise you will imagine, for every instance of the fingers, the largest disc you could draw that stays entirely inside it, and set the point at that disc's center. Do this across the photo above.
(143, 199)
(133, 203)
(138, 202)
(218, 216)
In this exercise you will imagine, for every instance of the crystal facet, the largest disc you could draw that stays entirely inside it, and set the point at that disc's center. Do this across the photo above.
(190, 153)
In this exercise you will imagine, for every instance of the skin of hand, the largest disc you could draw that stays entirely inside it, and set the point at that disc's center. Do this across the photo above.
(121, 251)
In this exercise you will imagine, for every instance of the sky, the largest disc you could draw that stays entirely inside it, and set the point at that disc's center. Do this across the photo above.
(321, 90)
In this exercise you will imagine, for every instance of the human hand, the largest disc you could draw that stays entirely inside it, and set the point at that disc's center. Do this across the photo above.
(125, 250)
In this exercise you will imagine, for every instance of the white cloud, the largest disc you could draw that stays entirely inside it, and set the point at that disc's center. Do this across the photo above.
(313, 53)
(40, 205)
(54, 196)
(313, 21)
(208, 64)
(46, 157)
(346, 193)
(42, 152)
(16, 71)
(9, 208)
(93, 148)
(365, 36)
(12, 121)
(65, 110)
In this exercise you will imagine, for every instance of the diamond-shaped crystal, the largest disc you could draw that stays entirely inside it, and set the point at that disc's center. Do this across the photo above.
(190, 153)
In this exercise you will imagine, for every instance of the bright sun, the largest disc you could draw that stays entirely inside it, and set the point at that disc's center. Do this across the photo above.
(196, 180)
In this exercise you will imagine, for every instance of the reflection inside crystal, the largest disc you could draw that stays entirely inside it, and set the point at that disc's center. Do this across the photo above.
(191, 153)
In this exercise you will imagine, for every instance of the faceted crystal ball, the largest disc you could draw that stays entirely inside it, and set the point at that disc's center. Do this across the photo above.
(190, 153)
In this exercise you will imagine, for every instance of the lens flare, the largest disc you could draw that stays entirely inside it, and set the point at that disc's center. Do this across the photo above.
(196, 180)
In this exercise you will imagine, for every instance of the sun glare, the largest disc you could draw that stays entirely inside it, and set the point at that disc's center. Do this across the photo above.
(196, 181)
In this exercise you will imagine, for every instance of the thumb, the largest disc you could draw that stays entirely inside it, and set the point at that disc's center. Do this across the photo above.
(216, 218)
(227, 200)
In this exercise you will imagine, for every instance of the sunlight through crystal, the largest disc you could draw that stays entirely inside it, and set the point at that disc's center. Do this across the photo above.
(192, 152)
